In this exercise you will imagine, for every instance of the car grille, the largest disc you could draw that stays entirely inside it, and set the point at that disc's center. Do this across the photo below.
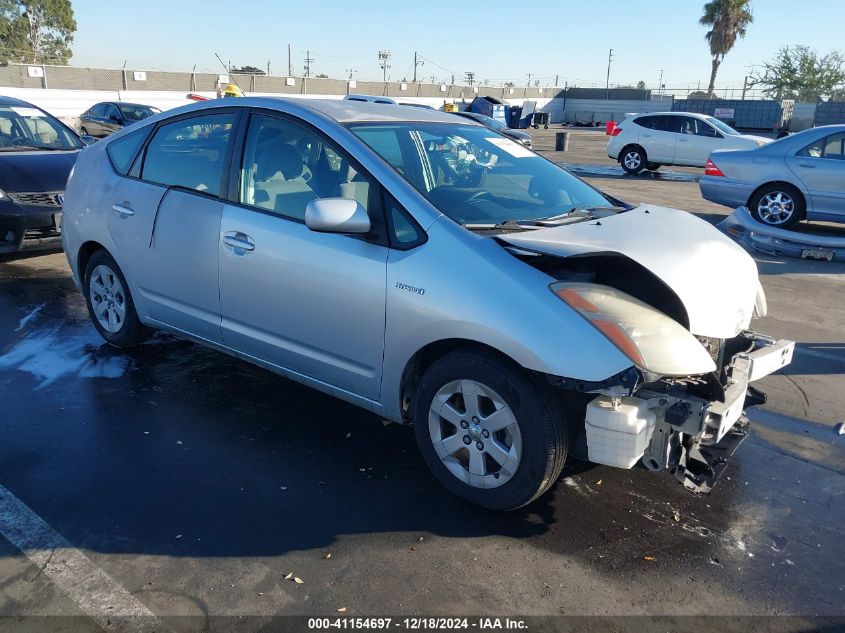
(40, 199)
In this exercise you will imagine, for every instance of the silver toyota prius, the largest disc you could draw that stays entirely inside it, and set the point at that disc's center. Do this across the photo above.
(434, 272)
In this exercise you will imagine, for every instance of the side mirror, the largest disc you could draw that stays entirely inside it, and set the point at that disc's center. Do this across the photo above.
(337, 215)
(87, 139)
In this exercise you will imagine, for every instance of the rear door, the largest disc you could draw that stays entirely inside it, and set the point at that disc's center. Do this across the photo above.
(696, 139)
(308, 302)
(166, 218)
(112, 119)
(821, 167)
(658, 137)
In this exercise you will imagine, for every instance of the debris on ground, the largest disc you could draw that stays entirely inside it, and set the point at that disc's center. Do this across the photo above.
(648, 558)
(327, 556)
(342, 610)
(841, 428)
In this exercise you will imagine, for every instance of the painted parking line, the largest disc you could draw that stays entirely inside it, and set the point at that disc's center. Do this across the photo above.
(95, 592)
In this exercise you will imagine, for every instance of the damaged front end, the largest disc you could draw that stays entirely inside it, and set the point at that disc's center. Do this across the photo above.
(690, 425)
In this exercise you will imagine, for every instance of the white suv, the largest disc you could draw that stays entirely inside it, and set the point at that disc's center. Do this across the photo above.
(647, 141)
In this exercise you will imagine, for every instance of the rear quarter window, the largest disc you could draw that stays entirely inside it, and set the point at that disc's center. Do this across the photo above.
(122, 152)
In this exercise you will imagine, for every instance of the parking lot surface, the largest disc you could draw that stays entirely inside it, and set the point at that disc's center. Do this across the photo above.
(196, 483)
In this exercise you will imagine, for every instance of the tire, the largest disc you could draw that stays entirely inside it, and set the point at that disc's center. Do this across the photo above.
(502, 469)
(536, 127)
(633, 159)
(778, 204)
(118, 321)
(545, 127)
(653, 166)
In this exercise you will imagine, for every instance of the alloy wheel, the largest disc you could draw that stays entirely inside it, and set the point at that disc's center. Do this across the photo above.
(108, 298)
(776, 207)
(632, 160)
(475, 433)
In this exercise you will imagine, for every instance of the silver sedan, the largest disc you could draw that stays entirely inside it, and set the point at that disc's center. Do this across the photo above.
(799, 177)
(434, 272)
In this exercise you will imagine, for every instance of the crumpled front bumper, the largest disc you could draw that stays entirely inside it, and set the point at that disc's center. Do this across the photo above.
(29, 227)
(693, 425)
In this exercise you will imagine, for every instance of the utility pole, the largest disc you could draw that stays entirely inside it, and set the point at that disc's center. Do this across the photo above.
(384, 62)
(470, 77)
(416, 64)
(308, 60)
(744, 87)
(556, 80)
(268, 67)
(290, 67)
(660, 84)
(607, 82)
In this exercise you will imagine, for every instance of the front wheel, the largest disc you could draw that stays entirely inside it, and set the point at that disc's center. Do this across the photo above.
(110, 304)
(633, 160)
(779, 205)
(489, 433)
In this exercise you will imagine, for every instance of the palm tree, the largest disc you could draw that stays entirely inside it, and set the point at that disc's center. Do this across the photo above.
(727, 20)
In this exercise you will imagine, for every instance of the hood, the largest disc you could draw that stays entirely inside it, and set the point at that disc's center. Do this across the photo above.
(35, 171)
(522, 136)
(714, 278)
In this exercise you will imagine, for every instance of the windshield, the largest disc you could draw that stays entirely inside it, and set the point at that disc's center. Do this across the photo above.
(723, 127)
(137, 112)
(24, 128)
(476, 176)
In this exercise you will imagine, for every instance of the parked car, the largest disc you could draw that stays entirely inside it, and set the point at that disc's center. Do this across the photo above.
(649, 141)
(798, 177)
(105, 118)
(493, 124)
(418, 266)
(370, 99)
(37, 152)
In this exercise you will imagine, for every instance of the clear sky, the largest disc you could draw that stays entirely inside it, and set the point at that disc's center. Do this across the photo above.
(498, 40)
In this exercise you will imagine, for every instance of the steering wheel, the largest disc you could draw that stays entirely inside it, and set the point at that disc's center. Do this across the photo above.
(17, 141)
(479, 195)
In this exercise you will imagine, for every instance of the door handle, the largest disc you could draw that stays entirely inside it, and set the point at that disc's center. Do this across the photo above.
(238, 241)
(646, 135)
(122, 209)
(808, 165)
(683, 140)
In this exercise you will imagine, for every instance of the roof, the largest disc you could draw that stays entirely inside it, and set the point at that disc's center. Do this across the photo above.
(344, 111)
(11, 101)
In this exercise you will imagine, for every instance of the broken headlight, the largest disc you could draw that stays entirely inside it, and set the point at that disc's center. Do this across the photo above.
(652, 340)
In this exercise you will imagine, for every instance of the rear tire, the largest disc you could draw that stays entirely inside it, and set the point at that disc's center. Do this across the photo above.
(633, 159)
(490, 433)
(778, 204)
(110, 304)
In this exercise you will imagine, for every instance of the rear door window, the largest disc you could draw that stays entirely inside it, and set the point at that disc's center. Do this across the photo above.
(190, 153)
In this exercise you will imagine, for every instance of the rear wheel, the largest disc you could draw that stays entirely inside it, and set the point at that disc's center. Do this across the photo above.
(633, 159)
(488, 432)
(778, 204)
(110, 304)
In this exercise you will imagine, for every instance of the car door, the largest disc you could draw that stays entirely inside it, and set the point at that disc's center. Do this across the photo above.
(821, 168)
(696, 139)
(112, 119)
(310, 303)
(658, 138)
(92, 119)
(165, 222)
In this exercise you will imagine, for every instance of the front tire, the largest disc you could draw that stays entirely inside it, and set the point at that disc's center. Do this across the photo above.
(778, 204)
(633, 160)
(490, 433)
(110, 304)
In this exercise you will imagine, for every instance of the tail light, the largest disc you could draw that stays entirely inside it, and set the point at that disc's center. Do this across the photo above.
(616, 131)
(710, 169)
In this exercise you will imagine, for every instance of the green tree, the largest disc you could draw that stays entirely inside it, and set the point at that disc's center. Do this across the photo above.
(640, 85)
(37, 30)
(802, 74)
(728, 20)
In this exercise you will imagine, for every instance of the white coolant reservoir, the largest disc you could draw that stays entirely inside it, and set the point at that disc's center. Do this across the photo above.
(618, 430)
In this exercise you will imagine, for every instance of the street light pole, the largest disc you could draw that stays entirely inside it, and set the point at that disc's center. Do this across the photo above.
(607, 83)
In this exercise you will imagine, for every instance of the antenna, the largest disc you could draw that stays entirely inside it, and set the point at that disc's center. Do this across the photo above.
(231, 77)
